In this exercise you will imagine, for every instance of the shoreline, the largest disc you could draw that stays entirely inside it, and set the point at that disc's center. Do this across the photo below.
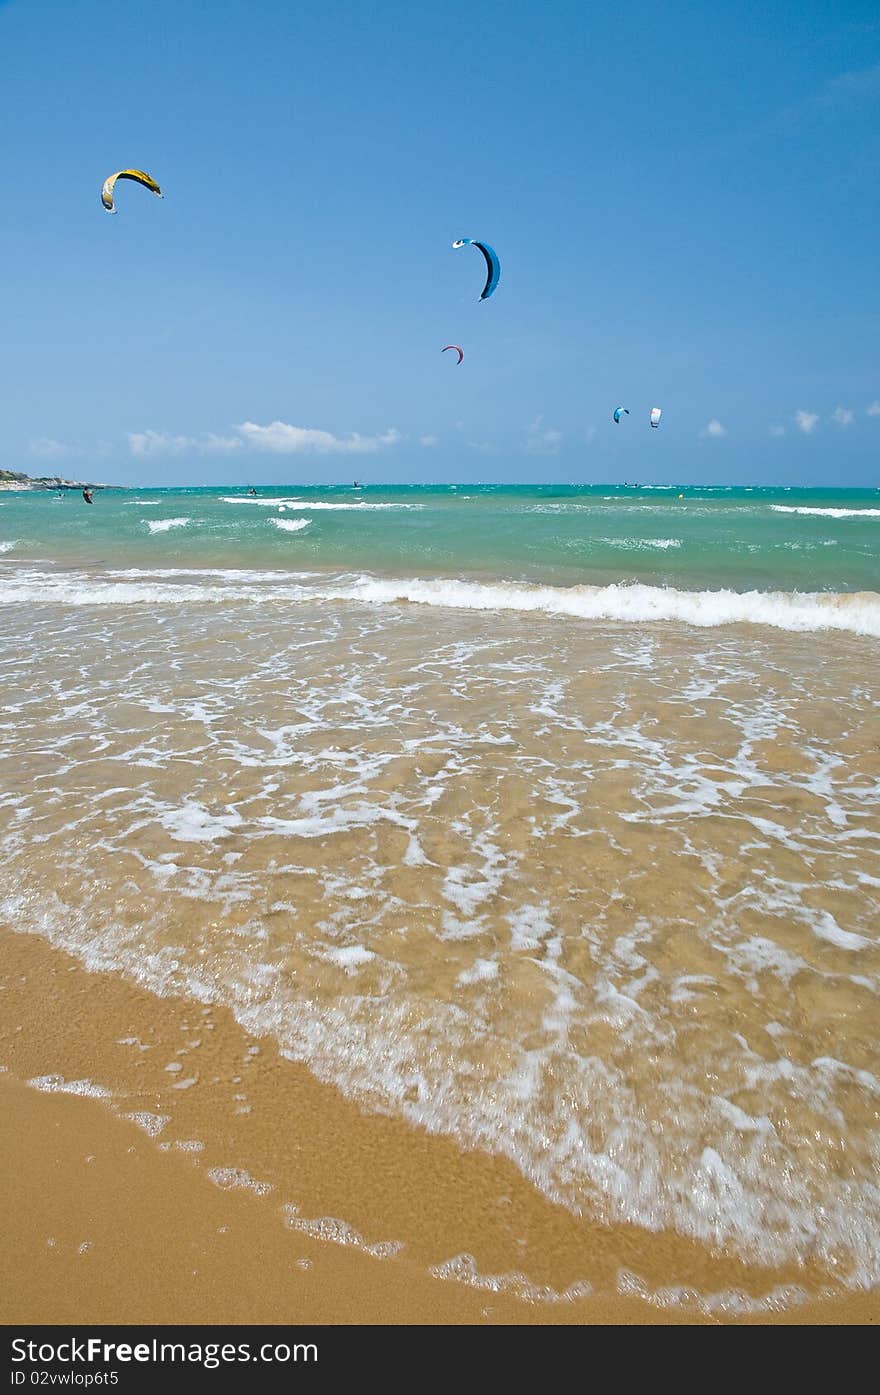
(790, 560)
(357, 1181)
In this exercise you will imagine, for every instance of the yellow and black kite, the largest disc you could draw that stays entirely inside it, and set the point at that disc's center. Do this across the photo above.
(138, 176)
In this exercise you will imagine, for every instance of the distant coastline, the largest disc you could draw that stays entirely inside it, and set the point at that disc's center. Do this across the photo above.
(17, 480)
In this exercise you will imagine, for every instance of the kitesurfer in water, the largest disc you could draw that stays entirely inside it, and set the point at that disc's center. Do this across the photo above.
(252, 491)
(87, 495)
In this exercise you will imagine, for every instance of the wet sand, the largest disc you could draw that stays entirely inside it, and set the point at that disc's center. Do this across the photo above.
(105, 1222)
(537, 964)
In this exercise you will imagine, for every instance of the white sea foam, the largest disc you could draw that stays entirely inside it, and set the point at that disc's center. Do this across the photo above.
(635, 544)
(57, 1085)
(193, 824)
(291, 525)
(728, 1302)
(855, 612)
(349, 956)
(858, 612)
(246, 576)
(463, 1270)
(306, 504)
(534, 1060)
(261, 503)
(162, 525)
(7, 546)
(238, 1179)
(338, 1233)
(481, 971)
(152, 1124)
(317, 504)
(826, 513)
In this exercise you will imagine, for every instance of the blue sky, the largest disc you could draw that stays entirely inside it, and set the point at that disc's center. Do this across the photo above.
(684, 198)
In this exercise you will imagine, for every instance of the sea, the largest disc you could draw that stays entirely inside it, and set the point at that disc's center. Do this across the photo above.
(545, 819)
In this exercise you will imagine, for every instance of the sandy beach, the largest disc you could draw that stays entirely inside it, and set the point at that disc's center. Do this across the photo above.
(107, 1223)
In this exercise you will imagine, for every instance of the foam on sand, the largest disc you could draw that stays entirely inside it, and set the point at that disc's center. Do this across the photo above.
(57, 1085)
(152, 1124)
(238, 1179)
(364, 847)
(191, 823)
(462, 1268)
(338, 1232)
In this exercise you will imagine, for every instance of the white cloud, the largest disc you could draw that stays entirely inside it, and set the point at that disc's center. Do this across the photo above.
(427, 440)
(713, 430)
(777, 430)
(807, 421)
(874, 409)
(160, 443)
(211, 444)
(846, 90)
(843, 416)
(543, 440)
(854, 86)
(279, 438)
(45, 448)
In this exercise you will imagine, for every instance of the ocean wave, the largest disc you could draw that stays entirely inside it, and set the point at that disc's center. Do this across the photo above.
(803, 546)
(637, 543)
(307, 504)
(162, 525)
(261, 503)
(244, 575)
(854, 612)
(304, 504)
(826, 513)
(7, 546)
(858, 612)
(291, 525)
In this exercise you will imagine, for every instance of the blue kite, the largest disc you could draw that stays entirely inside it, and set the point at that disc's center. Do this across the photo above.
(493, 265)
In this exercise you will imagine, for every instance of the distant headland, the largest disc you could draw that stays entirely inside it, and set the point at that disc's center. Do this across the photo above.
(16, 479)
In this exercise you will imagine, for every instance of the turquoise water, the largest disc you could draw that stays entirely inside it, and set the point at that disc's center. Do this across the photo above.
(686, 537)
